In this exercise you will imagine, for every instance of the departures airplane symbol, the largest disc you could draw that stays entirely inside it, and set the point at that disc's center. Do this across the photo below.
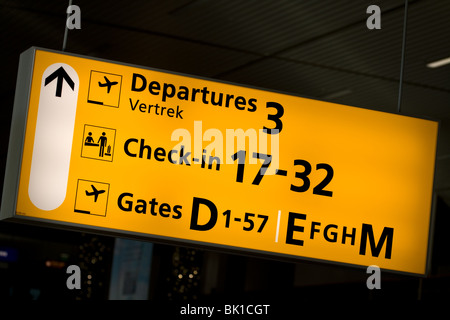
(94, 192)
(108, 83)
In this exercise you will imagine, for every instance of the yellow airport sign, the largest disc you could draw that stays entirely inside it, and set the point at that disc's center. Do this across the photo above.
(132, 151)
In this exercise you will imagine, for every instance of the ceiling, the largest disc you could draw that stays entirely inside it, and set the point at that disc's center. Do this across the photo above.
(321, 50)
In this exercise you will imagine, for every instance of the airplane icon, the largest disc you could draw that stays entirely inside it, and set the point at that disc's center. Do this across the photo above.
(94, 192)
(108, 83)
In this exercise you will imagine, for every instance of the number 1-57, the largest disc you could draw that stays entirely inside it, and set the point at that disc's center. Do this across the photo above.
(248, 220)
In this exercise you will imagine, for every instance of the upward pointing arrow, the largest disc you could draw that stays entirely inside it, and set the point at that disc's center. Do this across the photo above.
(60, 74)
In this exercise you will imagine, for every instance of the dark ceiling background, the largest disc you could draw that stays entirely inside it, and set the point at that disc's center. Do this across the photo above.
(319, 49)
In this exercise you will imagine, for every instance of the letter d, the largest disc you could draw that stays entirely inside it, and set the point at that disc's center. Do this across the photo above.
(194, 219)
(133, 83)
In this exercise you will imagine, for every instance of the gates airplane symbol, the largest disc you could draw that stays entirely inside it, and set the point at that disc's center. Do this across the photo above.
(94, 192)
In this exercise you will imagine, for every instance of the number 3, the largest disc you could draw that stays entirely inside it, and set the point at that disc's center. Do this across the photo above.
(275, 118)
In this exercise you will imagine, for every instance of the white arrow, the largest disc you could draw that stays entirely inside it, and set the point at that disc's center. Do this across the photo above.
(53, 137)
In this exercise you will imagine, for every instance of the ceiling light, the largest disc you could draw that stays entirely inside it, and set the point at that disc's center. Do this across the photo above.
(337, 94)
(438, 63)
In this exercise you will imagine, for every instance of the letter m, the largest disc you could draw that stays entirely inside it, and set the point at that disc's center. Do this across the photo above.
(386, 236)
